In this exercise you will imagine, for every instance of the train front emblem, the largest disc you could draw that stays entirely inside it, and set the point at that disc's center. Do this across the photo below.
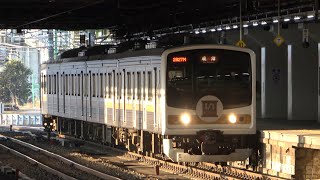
(209, 108)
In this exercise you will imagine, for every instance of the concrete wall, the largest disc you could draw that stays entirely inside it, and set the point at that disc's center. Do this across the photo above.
(304, 69)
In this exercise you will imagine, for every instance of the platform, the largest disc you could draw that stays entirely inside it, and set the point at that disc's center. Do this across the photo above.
(289, 148)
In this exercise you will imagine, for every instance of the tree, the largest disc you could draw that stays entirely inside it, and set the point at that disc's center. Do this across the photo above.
(14, 84)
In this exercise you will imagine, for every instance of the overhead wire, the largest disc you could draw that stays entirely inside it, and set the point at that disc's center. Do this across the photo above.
(58, 14)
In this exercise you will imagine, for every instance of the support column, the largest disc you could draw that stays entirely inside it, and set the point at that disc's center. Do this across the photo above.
(290, 116)
(75, 128)
(103, 133)
(82, 136)
(263, 82)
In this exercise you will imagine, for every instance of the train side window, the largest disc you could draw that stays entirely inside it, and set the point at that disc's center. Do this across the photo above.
(85, 84)
(104, 88)
(61, 83)
(129, 92)
(144, 85)
(72, 85)
(49, 84)
(54, 84)
(138, 85)
(78, 87)
(109, 85)
(45, 84)
(119, 82)
(133, 85)
(101, 85)
(149, 79)
(93, 85)
(66, 84)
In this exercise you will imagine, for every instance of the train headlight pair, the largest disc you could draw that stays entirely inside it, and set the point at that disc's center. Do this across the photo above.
(232, 118)
(45, 124)
(185, 119)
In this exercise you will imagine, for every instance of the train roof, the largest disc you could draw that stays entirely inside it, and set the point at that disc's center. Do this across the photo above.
(89, 55)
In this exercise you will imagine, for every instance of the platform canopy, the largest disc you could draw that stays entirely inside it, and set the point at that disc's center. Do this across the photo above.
(136, 15)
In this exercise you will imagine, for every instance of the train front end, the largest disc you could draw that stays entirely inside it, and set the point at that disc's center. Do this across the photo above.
(209, 100)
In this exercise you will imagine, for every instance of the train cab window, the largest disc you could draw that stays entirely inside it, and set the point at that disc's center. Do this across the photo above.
(93, 85)
(129, 92)
(139, 85)
(101, 85)
(149, 79)
(109, 85)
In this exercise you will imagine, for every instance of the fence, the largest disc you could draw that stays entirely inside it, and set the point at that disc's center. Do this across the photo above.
(21, 119)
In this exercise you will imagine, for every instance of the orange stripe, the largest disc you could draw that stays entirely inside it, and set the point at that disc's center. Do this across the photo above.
(242, 119)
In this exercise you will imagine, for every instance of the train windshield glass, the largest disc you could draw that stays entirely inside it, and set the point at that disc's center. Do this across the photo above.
(193, 74)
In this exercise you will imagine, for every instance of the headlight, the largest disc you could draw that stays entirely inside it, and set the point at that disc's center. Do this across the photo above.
(50, 124)
(232, 118)
(185, 119)
(45, 124)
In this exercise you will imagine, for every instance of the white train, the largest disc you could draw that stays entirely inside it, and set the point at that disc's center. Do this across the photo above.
(193, 103)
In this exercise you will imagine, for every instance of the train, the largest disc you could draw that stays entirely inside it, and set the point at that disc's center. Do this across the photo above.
(188, 103)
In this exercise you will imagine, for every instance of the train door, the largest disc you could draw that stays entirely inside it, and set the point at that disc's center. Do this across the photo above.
(140, 97)
(93, 98)
(78, 94)
(110, 103)
(119, 98)
(150, 101)
(129, 98)
(101, 93)
(72, 95)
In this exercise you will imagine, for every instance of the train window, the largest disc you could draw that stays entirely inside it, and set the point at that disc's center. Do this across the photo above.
(57, 86)
(133, 85)
(109, 84)
(78, 85)
(93, 85)
(144, 85)
(72, 85)
(124, 84)
(49, 84)
(67, 85)
(62, 86)
(149, 85)
(54, 84)
(105, 85)
(85, 76)
(119, 85)
(129, 92)
(101, 85)
(139, 85)
(45, 84)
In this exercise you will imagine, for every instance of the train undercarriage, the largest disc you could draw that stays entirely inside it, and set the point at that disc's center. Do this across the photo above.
(206, 146)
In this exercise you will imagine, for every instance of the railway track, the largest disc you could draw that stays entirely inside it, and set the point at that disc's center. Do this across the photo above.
(55, 164)
(195, 170)
(191, 170)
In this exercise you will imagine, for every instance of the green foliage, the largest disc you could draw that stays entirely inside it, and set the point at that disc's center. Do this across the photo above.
(14, 84)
